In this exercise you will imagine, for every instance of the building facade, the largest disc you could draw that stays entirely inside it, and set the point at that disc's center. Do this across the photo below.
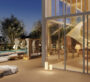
(65, 34)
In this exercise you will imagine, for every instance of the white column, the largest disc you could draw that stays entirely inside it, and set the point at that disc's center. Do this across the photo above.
(81, 6)
(48, 8)
(44, 32)
(27, 41)
(88, 5)
(70, 5)
(76, 5)
(70, 8)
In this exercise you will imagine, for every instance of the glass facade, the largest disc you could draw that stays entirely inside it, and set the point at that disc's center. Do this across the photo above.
(63, 7)
(68, 35)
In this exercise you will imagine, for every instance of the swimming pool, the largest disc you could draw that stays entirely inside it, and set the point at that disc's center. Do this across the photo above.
(9, 52)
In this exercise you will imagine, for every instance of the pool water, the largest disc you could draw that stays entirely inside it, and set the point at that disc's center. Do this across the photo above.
(13, 51)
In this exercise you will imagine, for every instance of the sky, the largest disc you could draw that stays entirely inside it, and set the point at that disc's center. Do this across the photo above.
(28, 11)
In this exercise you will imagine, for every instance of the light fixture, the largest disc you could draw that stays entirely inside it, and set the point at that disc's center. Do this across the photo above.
(46, 65)
(78, 47)
(50, 67)
(25, 58)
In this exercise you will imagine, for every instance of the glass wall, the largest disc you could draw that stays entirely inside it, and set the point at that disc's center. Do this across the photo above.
(68, 43)
(55, 48)
(62, 7)
(74, 44)
(68, 37)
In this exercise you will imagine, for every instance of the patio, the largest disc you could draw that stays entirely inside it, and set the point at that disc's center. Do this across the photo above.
(32, 71)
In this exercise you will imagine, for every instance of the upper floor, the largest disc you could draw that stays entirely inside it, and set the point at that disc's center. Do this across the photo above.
(65, 7)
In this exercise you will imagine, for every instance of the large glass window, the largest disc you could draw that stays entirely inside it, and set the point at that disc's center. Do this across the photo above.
(74, 45)
(53, 7)
(55, 45)
(62, 7)
(68, 36)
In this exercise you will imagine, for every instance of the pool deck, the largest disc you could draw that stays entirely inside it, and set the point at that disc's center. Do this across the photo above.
(32, 71)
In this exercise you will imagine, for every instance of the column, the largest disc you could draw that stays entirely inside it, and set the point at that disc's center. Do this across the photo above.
(81, 6)
(76, 5)
(28, 47)
(88, 5)
(44, 32)
(48, 8)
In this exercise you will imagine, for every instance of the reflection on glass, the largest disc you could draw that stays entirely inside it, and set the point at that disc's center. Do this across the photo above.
(56, 43)
(57, 7)
(74, 43)
(74, 33)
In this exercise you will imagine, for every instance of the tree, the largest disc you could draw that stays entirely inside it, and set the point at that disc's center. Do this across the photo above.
(12, 27)
(36, 33)
(59, 32)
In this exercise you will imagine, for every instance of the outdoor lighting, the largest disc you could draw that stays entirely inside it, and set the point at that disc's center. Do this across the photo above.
(40, 45)
(25, 58)
(48, 54)
(50, 67)
(77, 47)
(14, 47)
(46, 65)
(62, 47)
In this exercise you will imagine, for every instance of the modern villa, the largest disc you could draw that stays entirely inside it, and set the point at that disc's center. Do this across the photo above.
(66, 34)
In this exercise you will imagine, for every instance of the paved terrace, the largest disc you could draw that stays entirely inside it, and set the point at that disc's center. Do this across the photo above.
(32, 71)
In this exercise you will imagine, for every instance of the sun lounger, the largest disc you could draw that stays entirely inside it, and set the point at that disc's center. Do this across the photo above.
(4, 59)
(8, 70)
(13, 56)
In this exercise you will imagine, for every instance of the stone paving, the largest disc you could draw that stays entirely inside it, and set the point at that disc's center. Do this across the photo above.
(32, 71)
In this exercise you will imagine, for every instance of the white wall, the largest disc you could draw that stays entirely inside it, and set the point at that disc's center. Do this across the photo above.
(48, 8)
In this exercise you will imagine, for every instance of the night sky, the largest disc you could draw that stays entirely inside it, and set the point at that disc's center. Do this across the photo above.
(28, 11)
